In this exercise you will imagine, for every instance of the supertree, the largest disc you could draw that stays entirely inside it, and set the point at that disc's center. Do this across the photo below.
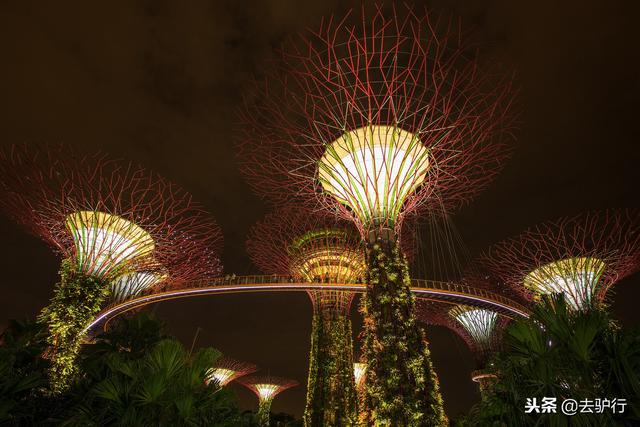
(266, 388)
(359, 372)
(227, 369)
(316, 248)
(480, 328)
(119, 230)
(374, 119)
(580, 256)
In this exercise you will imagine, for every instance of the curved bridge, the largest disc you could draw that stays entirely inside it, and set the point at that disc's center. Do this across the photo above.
(426, 289)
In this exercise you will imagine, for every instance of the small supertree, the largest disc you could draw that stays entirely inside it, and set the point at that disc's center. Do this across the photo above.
(266, 388)
(480, 328)
(227, 369)
(376, 118)
(315, 248)
(359, 372)
(119, 229)
(580, 256)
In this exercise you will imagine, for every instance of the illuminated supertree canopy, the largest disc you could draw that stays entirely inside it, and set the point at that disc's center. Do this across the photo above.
(316, 248)
(120, 230)
(266, 388)
(376, 121)
(227, 369)
(479, 328)
(376, 117)
(580, 257)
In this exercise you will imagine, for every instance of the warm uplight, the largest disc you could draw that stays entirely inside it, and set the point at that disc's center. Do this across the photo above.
(359, 370)
(106, 242)
(341, 266)
(576, 278)
(478, 322)
(482, 376)
(373, 169)
(267, 391)
(327, 256)
(222, 375)
(131, 284)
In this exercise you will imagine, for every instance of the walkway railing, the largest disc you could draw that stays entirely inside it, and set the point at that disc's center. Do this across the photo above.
(428, 289)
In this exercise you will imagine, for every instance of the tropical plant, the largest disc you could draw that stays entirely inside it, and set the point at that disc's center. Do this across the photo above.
(567, 354)
(136, 375)
(22, 371)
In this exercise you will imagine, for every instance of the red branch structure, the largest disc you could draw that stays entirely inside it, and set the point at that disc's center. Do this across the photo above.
(580, 256)
(267, 387)
(314, 247)
(375, 118)
(114, 219)
(227, 369)
(310, 247)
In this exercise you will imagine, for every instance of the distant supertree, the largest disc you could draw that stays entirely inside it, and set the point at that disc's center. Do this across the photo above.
(480, 328)
(227, 369)
(580, 256)
(266, 388)
(119, 229)
(374, 118)
(359, 372)
(315, 248)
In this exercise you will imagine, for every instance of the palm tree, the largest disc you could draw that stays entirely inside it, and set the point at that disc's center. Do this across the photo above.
(136, 375)
(567, 354)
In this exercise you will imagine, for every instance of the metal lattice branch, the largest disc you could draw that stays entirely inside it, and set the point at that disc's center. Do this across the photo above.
(227, 369)
(313, 248)
(580, 256)
(377, 119)
(116, 220)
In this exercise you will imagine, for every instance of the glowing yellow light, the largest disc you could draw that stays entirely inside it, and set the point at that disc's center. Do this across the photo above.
(326, 254)
(373, 169)
(576, 278)
(359, 370)
(131, 284)
(479, 323)
(342, 266)
(266, 391)
(222, 375)
(106, 242)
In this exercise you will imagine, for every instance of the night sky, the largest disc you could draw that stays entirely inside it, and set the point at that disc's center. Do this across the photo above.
(158, 82)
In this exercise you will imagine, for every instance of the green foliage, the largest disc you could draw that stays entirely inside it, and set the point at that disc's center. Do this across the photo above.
(22, 371)
(165, 386)
(76, 300)
(331, 394)
(563, 353)
(133, 375)
(136, 375)
(264, 412)
(401, 386)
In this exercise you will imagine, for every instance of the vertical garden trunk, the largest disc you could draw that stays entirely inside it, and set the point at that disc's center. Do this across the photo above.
(331, 394)
(401, 387)
(264, 413)
(76, 300)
